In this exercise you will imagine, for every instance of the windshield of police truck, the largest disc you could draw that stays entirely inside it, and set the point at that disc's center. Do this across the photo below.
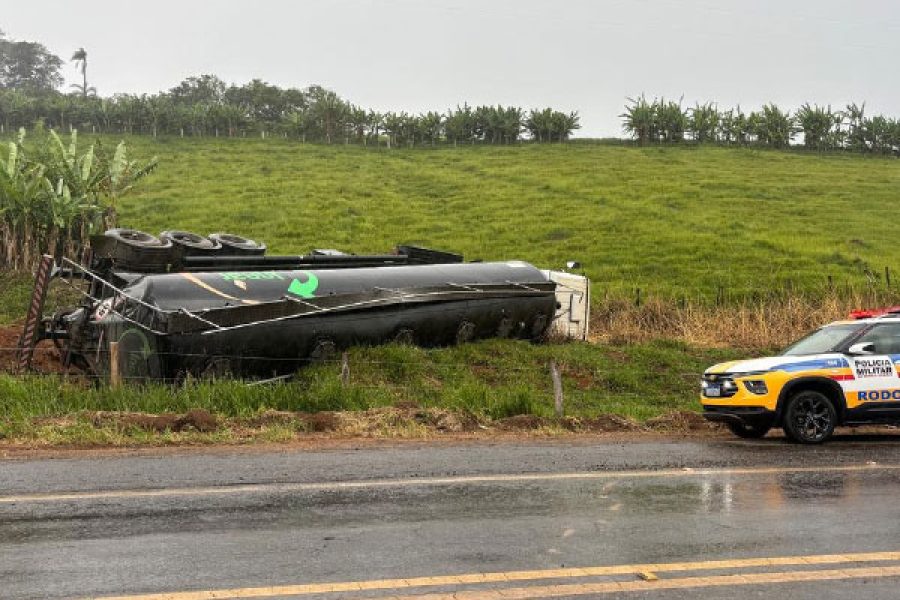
(823, 340)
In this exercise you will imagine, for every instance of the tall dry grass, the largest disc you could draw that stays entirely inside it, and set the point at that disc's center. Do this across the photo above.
(761, 324)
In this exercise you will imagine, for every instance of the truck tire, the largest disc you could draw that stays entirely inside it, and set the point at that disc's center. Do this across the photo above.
(135, 238)
(235, 244)
(190, 240)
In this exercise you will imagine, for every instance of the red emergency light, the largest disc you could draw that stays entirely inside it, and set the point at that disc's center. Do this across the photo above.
(861, 313)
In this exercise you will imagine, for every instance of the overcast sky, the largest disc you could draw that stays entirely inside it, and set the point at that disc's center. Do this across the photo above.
(417, 55)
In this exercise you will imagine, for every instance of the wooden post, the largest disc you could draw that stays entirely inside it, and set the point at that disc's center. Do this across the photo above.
(345, 369)
(557, 388)
(30, 334)
(887, 276)
(115, 374)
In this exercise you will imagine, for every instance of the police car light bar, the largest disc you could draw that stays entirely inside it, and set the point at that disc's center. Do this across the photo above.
(878, 312)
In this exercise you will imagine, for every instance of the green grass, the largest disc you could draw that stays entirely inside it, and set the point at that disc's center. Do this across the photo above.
(673, 221)
(668, 220)
(15, 291)
(495, 379)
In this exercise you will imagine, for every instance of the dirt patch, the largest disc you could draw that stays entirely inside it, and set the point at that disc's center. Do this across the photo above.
(313, 430)
(523, 422)
(680, 421)
(406, 405)
(46, 356)
(199, 419)
(323, 421)
(381, 421)
(272, 417)
(447, 420)
(193, 420)
(599, 424)
(610, 423)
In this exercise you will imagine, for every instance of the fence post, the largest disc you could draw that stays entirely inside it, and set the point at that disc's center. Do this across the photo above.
(345, 369)
(887, 276)
(115, 374)
(557, 388)
(29, 338)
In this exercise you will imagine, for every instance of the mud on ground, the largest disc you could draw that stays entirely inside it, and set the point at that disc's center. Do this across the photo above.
(46, 356)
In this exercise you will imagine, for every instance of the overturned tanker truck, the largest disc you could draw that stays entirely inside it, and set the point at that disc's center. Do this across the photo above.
(177, 305)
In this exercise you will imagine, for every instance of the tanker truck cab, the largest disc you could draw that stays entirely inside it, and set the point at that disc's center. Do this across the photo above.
(845, 373)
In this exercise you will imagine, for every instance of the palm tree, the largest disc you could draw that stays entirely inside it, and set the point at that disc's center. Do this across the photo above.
(80, 56)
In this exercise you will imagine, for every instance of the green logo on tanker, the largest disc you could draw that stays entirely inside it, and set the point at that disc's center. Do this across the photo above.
(251, 275)
(304, 289)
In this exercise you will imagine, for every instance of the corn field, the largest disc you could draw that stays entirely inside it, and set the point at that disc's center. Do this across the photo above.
(53, 197)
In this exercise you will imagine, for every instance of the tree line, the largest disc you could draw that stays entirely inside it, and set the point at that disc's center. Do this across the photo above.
(205, 107)
(821, 127)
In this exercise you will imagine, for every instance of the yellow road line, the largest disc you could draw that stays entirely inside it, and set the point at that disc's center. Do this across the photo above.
(427, 481)
(556, 591)
(510, 576)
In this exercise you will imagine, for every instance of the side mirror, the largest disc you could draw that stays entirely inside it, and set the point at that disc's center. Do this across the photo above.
(861, 349)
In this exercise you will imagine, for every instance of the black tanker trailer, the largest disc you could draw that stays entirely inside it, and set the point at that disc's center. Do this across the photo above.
(184, 305)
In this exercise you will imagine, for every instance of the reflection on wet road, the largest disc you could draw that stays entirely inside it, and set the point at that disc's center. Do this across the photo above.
(826, 528)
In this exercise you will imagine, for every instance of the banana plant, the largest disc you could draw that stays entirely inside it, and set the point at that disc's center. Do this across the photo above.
(640, 119)
(53, 196)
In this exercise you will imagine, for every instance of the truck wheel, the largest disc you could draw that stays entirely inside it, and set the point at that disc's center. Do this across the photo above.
(539, 328)
(134, 238)
(405, 336)
(809, 417)
(465, 332)
(235, 244)
(748, 432)
(190, 240)
(505, 328)
(324, 351)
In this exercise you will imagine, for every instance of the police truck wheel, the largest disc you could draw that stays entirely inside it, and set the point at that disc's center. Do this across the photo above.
(809, 417)
(748, 432)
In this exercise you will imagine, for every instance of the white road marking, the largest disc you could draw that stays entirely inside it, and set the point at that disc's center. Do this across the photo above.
(260, 488)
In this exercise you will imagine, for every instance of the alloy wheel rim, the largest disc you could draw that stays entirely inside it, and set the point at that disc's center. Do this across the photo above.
(812, 418)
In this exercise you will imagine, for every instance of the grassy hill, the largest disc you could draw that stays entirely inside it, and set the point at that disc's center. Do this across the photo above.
(667, 220)
(671, 221)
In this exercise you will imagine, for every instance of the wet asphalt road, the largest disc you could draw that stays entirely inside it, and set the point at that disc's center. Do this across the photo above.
(91, 527)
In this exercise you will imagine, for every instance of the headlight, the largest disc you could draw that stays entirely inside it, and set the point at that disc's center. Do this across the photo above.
(756, 386)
